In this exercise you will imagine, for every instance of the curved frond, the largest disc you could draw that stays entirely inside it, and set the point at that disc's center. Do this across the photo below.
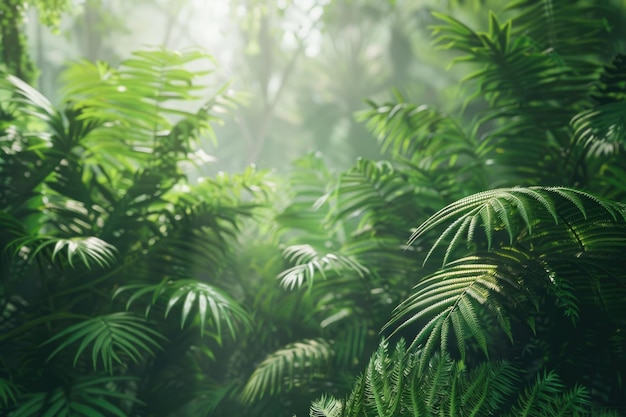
(89, 396)
(208, 303)
(309, 263)
(114, 337)
(287, 368)
(9, 393)
(88, 250)
(444, 307)
(326, 406)
(547, 396)
(513, 212)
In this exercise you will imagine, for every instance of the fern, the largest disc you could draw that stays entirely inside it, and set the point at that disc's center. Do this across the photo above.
(440, 154)
(546, 397)
(510, 210)
(446, 303)
(326, 407)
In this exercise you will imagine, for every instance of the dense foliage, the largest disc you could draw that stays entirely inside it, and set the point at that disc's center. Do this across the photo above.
(486, 248)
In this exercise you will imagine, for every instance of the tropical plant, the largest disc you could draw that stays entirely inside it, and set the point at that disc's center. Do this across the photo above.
(517, 282)
(112, 297)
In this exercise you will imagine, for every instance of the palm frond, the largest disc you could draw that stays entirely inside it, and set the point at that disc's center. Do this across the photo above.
(151, 78)
(34, 103)
(309, 263)
(89, 250)
(208, 303)
(139, 106)
(9, 393)
(288, 367)
(86, 397)
(326, 406)
(115, 338)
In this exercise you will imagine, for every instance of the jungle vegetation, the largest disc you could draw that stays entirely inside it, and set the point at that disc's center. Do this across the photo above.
(471, 264)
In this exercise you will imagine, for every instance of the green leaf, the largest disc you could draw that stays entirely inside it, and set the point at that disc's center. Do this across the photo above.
(210, 304)
(115, 337)
(290, 365)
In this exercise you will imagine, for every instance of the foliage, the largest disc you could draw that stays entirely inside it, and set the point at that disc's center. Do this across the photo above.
(518, 283)
(392, 386)
(112, 261)
(489, 240)
(13, 45)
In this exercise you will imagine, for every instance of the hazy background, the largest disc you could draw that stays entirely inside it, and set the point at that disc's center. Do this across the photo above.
(301, 68)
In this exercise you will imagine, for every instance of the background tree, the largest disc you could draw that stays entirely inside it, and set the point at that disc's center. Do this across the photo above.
(13, 45)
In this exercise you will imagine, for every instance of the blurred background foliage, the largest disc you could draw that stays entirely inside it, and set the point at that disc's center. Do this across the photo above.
(303, 67)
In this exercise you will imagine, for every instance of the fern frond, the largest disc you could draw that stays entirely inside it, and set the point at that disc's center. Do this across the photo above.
(373, 193)
(554, 26)
(443, 305)
(531, 93)
(548, 396)
(439, 152)
(509, 211)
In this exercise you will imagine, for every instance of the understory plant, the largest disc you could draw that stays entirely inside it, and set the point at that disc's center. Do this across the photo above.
(513, 223)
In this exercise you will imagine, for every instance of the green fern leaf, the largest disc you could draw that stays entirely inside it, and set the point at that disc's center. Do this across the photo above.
(510, 210)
